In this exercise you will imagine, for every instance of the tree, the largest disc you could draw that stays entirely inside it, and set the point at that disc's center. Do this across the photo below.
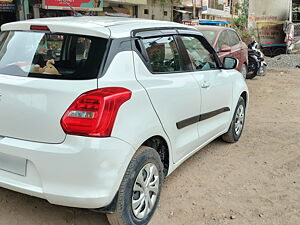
(241, 22)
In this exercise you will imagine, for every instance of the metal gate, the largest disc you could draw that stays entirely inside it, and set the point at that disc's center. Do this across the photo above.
(297, 31)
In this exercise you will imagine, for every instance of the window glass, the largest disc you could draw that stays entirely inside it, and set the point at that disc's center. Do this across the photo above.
(210, 35)
(234, 38)
(200, 57)
(45, 55)
(82, 48)
(223, 40)
(163, 54)
(50, 46)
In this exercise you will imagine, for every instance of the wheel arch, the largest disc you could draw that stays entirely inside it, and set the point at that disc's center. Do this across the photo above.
(160, 144)
(245, 97)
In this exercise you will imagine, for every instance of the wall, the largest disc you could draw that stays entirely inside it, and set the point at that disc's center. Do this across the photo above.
(269, 10)
(156, 11)
(267, 17)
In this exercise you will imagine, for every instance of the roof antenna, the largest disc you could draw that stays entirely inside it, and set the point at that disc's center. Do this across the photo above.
(76, 14)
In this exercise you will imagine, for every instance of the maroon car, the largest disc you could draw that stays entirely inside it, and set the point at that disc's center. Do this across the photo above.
(227, 43)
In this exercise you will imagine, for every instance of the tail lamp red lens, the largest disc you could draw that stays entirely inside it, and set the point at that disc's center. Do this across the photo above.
(93, 113)
(37, 27)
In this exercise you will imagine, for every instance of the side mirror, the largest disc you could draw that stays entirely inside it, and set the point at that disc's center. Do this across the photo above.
(225, 48)
(230, 63)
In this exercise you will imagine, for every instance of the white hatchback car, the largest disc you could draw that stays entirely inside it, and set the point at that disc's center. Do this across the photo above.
(96, 111)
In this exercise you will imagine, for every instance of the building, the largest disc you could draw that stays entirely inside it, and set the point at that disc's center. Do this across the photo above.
(211, 9)
(170, 10)
(27, 9)
(217, 10)
(274, 10)
(268, 10)
(156, 10)
(277, 23)
(7, 11)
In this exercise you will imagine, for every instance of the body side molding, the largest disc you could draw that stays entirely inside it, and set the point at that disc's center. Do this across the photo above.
(201, 117)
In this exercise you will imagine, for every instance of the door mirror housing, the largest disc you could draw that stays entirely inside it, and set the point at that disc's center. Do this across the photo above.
(230, 63)
(225, 48)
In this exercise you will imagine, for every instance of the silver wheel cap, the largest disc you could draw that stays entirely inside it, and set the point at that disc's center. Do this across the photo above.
(145, 191)
(239, 120)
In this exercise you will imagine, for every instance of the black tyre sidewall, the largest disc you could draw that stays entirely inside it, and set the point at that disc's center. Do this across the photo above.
(253, 73)
(147, 156)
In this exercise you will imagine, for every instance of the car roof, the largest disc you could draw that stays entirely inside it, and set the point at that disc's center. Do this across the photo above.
(102, 26)
(212, 28)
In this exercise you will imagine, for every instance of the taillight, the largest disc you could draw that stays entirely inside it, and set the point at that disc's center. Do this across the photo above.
(93, 113)
(38, 27)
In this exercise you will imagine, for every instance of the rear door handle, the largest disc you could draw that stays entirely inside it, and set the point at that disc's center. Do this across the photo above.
(205, 84)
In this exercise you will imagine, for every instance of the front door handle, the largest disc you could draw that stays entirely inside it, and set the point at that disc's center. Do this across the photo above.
(205, 84)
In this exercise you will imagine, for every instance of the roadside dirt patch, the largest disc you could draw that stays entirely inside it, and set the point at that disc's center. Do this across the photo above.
(255, 181)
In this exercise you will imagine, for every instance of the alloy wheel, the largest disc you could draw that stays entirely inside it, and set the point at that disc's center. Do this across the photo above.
(239, 120)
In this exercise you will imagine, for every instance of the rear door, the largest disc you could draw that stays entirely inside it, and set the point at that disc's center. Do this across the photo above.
(215, 85)
(173, 91)
(41, 74)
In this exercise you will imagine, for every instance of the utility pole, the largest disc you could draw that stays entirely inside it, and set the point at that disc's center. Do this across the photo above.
(194, 9)
(231, 8)
(291, 10)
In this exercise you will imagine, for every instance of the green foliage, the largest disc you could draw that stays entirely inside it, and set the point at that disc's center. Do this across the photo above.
(241, 22)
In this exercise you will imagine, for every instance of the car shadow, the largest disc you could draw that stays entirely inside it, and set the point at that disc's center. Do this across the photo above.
(17, 208)
(20, 209)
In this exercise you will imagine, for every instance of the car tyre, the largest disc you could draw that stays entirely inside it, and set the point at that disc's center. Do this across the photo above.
(143, 180)
(237, 124)
(253, 67)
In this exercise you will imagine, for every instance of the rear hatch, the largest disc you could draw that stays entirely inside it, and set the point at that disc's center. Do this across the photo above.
(41, 74)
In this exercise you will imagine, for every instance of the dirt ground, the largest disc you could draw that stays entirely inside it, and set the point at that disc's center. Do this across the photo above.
(255, 181)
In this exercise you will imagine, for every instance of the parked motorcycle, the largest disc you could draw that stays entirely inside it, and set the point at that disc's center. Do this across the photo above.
(256, 61)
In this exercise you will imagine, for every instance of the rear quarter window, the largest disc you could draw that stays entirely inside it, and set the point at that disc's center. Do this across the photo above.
(223, 40)
(210, 35)
(46, 55)
(233, 38)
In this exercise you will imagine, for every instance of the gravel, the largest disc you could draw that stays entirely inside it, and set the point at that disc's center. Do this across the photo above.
(284, 61)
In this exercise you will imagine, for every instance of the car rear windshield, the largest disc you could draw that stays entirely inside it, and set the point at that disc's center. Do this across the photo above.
(210, 35)
(46, 55)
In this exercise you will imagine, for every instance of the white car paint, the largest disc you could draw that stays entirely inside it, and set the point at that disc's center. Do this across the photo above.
(86, 172)
(171, 107)
(216, 92)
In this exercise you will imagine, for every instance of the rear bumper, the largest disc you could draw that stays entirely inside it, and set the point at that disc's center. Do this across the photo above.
(80, 172)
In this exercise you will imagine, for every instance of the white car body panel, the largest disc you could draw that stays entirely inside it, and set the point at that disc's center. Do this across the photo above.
(104, 27)
(216, 93)
(65, 25)
(171, 107)
(96, 174)
(34, 106)
(86, 172)
(133, 124)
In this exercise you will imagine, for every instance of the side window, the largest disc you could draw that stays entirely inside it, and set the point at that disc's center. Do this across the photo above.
(234, 38)
(200, 57)
(82, 48)
(163, 54)
(223, 40)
